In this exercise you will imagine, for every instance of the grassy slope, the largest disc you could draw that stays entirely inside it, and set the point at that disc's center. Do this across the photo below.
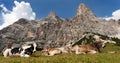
(70, 58)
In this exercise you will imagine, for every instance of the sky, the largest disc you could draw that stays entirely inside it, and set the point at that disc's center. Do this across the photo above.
(12, 10)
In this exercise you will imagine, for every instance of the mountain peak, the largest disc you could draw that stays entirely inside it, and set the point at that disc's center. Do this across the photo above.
(52, 14)
(85, 11)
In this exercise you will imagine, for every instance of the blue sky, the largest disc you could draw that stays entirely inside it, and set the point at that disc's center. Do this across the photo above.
(66, 8)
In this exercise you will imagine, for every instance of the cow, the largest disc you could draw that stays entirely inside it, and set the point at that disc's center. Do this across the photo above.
(23, 51)
(88, 48)
(26, 51)
(55, 51)
(59, 50)
(51, 51)
(92, 48)
(65, 49)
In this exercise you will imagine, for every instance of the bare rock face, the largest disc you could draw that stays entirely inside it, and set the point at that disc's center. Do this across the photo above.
(87, 21)
(53, 31)
(83, 10)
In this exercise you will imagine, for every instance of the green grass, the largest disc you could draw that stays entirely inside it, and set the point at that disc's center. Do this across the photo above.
(70, 58)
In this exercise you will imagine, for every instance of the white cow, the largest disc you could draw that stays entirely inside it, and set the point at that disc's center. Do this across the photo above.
(24, 51)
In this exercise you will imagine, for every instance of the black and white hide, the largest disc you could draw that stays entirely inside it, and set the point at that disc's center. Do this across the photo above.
(12, 51)
(23, 51)
(27, 51)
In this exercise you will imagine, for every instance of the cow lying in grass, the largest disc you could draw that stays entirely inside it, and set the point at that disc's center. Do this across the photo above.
(51, 51)
(23, 51)
(55, 51)
(88, 48)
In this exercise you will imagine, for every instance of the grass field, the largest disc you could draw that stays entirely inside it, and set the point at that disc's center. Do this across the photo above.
(103, 57)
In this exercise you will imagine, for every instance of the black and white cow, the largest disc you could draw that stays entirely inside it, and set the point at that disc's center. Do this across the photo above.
(23, 51)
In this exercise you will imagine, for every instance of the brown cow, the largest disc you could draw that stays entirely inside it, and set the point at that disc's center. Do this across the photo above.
(51, 51)
(88, 48)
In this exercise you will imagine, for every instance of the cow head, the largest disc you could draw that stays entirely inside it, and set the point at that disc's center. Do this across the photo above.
(34, 44)
(99, 44)
(27, 50)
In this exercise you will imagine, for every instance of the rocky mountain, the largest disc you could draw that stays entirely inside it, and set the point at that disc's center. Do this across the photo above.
(54, 31)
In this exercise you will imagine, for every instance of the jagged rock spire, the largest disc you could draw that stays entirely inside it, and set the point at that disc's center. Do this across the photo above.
(52, 14)
(85, 11)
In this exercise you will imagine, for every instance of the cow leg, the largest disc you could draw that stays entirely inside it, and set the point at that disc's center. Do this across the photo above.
(26, 55)
(92, 52)
(51, 54)
(10, 54)
(22, 53)
(77, 51)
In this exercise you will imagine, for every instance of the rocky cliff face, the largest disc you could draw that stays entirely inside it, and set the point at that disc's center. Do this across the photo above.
(55, 32)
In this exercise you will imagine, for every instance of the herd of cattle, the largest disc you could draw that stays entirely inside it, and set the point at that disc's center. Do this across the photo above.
(29, 48)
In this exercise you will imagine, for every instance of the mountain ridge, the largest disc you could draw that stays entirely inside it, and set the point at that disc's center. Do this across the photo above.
(54, 31)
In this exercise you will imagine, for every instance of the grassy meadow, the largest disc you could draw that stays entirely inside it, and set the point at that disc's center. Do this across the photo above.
(103, 57)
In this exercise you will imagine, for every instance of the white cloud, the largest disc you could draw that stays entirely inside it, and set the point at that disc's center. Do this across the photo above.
(4, 8)
(21, 10)
(115, 15)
